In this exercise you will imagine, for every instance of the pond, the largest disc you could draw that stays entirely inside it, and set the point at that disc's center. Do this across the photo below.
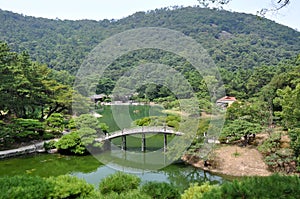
(132, 161)
(123, 116)
(90, 169)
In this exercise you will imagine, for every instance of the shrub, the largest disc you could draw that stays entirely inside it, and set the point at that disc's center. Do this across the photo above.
(86, 120)
(27, 129)
(118, 183)
(6, 136)
(104, 127)
(173, 118)
(69, 187)
(143, 121)
(71, 144)
(271, 144)
(196, 191)
(24, 187)
(71, 124)
(159, 190)
(49, 145)
(294, 135)
(274, 186)
(35, 187)
(55, 123)
(133, 194)
(48, 136)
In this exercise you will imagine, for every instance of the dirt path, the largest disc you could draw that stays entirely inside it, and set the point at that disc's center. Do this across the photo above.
(234, 161)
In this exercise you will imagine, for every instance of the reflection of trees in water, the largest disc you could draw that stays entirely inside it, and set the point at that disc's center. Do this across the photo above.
(46, 165)
(182, 176)
(83, 164)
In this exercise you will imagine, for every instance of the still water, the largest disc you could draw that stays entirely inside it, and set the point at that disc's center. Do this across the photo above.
(90, 169)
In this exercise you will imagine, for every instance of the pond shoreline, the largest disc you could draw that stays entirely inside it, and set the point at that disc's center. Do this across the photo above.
(25, 150)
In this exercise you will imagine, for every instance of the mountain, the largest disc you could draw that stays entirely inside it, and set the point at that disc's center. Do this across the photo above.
(234, 40)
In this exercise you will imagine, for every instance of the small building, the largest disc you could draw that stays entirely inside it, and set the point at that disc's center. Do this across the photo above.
(226, 101)
(98, 98)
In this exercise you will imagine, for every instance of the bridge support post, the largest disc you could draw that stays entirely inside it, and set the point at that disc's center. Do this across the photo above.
(123, 144)
(165, 142)
(107, 145)
(143, 142)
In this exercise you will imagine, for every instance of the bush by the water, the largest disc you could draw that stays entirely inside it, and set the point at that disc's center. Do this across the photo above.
(196, 191)
(69, 187)
(160, 190)
(25, 187)
(119, 183)
(35, 187)
(132, 194)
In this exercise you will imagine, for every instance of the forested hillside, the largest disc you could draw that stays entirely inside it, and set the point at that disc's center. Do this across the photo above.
(234, 40)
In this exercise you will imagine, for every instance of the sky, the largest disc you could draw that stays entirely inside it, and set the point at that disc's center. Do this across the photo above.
(117, 9)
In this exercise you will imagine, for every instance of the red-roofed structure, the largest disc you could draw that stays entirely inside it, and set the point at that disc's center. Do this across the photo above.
(226, 101)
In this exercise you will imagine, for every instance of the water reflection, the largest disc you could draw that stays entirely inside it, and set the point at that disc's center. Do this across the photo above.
(90, 169)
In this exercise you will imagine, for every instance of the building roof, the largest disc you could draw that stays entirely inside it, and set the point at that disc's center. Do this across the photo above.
(97, 96)
(227, 99)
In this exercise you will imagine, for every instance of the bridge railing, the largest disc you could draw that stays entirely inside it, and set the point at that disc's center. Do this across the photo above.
(137, 130)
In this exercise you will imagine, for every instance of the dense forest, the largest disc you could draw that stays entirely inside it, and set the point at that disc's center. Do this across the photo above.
(259, 62)
(234, 40)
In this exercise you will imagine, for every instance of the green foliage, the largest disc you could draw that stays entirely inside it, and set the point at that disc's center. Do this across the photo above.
(27, 89)
(35, 187)
(71, 143)
(271, 144)
(104, 127)
(196, 191)
(66, 186)
(289, 100)
(274, 186)
(105, 86)
(294, 135)
(71, 124)
(170, 120)
(50, 145)
(173, 118)
(6, 135)
(254, 111)
(160, 190)
(48, 136)
(118, 183)
(55, 123)
(86, 120)
(25, 187)
(246, 52)
(252, 43)
(167, 102)
(278, 159)
(153, 91)
(88, 136)
(238, 128)
(132, 194)
(27, 129)
(173, 124)
(143, 121)
(77, 142)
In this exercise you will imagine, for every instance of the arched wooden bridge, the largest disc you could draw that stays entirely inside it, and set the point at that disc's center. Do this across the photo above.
(140, 130)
